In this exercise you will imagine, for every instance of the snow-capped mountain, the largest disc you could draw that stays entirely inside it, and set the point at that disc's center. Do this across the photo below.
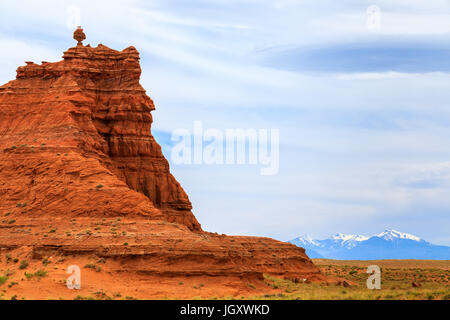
(306, 240)
(348, 240)
(392, 234)
(390, 244)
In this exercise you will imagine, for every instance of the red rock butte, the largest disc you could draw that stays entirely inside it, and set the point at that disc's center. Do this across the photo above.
(82, 178)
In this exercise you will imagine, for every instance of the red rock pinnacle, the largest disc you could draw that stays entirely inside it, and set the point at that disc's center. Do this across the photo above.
(77, 157)
(89, 106)
(79, 36)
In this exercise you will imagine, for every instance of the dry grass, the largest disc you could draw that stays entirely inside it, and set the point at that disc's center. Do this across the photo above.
(397, 277)
(431, 264)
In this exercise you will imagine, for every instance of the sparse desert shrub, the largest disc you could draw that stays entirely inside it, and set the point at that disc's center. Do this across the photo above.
(23, 264)
(8, 273)
(38, 274)
(83, 298)
(93, 266)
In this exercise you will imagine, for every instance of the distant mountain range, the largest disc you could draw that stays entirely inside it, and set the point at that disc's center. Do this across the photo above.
(390, 244)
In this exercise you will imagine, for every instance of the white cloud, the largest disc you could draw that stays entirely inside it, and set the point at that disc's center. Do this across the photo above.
(14, 53)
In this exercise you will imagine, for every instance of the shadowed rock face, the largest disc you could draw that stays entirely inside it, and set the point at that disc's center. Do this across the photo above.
(76, 153)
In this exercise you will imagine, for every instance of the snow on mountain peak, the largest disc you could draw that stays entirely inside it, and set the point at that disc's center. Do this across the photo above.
(307, 239)
(350, 241)
(349, 237)
(389, 244)
(390, 234)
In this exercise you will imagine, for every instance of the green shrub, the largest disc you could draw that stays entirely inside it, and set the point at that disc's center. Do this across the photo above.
(23, 264)
(93, 266)
(38, 274)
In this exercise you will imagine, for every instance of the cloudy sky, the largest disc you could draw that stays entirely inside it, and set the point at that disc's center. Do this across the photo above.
(363, 113)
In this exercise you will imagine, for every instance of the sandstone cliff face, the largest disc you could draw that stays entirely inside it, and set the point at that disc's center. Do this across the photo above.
(81, 176)
(81, 123)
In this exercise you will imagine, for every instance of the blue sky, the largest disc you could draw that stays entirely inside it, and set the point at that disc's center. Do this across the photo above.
(363, 114)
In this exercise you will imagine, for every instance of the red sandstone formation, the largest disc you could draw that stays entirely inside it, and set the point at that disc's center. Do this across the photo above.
(77, 153)
(81, 123)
